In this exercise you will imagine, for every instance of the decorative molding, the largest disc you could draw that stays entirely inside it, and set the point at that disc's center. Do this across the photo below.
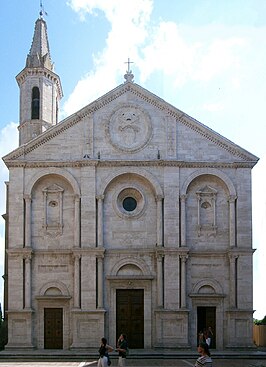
(38, 72)
(126, 163)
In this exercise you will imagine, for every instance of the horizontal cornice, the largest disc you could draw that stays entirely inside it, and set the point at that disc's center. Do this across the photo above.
(40, 72)
(128, 163)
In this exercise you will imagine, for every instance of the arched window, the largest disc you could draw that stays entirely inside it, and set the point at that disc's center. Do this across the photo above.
(35, 103)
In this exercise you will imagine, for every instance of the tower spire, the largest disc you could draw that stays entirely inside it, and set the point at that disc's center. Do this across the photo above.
(39, 55)
(40, 88)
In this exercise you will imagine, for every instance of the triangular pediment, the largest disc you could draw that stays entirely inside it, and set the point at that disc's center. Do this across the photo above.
(187, 125)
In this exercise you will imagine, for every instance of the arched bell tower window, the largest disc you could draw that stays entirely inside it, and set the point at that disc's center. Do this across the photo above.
(35, 103)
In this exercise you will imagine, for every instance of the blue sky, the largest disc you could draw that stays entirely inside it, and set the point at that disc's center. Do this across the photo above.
(206, 57)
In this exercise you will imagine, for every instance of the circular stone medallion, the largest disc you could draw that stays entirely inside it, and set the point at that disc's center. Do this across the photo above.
(129, 128)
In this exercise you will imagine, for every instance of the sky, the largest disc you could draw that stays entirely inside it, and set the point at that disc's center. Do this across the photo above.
(205, 57)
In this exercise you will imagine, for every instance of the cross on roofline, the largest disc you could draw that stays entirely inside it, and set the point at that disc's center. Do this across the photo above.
(128, 62)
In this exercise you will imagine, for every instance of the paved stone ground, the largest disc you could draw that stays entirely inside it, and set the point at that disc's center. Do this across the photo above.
(142, 363)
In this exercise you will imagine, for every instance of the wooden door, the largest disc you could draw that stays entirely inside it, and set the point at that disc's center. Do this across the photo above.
(53, 328)
(130, 316)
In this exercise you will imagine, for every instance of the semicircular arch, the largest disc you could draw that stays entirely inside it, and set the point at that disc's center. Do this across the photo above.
(140, 264)
(209, 171)
(208, 283)
(138, 172)
(53, 171)
(56, 284)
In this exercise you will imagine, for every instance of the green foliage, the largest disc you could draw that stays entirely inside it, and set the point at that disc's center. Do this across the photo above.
(260, 322)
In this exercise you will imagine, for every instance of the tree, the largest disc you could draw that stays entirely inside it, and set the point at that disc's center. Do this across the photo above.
(260, 322)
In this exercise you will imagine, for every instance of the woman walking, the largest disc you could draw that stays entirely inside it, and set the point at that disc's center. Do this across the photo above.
(103, 351)
(205, 356)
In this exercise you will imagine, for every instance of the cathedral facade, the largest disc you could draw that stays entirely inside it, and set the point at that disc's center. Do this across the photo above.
(129, 216)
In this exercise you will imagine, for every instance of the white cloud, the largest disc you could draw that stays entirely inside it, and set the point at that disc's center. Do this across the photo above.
(115, 10)
(167, 50)
(184, 53)
(213, 107)
(216, 57)
(128, 32)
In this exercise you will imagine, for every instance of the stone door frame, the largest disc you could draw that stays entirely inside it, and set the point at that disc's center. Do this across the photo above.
(124, 282)
(53, 302)
(207, 300)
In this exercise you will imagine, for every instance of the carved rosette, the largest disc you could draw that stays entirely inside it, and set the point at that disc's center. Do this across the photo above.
(129, 128)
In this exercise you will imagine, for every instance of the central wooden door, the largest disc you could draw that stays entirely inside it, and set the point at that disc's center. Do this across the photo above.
(53, 328)
(130, 316)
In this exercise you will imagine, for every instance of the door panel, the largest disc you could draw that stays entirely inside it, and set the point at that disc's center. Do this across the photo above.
(53, 328)
(130, 316)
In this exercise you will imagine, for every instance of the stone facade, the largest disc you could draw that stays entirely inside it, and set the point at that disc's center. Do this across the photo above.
(129, 194)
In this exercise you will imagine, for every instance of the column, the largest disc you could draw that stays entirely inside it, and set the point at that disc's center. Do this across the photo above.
(233, 280)
(159, 280)
(183, 281)
(27, 199)
(100, 220)
(77, 222)
(27, 302)
(232, 223)
(100, 281)
(76, 281)
(159, 201)
(183, 220)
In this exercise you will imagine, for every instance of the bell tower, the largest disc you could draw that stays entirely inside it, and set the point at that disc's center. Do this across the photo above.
(40, 88)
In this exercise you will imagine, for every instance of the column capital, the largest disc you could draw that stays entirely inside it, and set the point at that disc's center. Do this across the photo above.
(99, 256)
(233, 256)
(27, 257)
(183, 257)
(159, 254)
(100, 197)
(183, 197)
(159, 198)
(232, 198)
(76, 255)
(27, 197)
(76, 197)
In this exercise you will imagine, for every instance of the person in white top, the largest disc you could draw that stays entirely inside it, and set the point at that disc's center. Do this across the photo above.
(209, 336)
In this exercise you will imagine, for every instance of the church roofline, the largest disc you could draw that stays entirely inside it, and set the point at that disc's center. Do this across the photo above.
(149, 97)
